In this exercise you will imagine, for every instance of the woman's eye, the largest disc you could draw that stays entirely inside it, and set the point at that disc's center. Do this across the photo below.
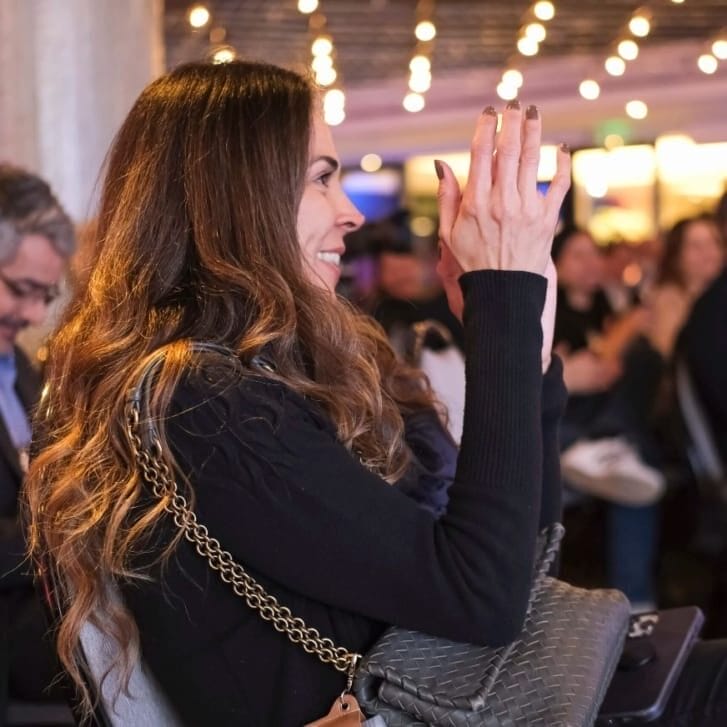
(325, 178)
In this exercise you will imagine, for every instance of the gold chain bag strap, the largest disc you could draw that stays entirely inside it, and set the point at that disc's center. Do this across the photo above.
(147, 451)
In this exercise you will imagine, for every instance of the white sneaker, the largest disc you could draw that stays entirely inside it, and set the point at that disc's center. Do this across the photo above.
(612, 470)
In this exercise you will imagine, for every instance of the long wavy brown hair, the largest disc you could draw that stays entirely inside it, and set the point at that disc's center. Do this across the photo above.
(195, 241)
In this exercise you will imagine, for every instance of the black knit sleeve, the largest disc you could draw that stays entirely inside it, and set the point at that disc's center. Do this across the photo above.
(274, 485)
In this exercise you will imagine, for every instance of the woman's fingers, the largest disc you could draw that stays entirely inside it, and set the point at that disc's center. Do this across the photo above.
(529, 156)
(558, 187)
(448, 199)
(509, 149)
(479, 180)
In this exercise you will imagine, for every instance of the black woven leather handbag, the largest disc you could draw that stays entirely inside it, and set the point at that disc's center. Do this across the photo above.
(554, 675)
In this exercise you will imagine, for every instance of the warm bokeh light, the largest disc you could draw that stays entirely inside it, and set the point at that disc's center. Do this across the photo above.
(637, 109)
(371, 162)
(413, 102)
(613, 140)
(707, 63)
(589, 89)
(719, 49)
(321, 62)
(223, 55)
(544, 10)
(419, 63)
(334, 117)
(640, 26)
(536, 31)
(307, 6)
(322, 46)
(326, 76)
(425, 30)
(628, 50)
(420, 82)
(335, 98)
(615, 66)
(422, 226)
(199, 16)
(528, 46)
(505, 91)
(513, 77)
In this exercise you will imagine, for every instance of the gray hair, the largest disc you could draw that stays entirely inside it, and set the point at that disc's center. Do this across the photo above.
(28, 207)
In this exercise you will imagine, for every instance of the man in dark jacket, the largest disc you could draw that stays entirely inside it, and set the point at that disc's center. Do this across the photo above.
(36, 240)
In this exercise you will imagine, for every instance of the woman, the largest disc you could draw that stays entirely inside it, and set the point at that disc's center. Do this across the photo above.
(223, 219)
(693, 257)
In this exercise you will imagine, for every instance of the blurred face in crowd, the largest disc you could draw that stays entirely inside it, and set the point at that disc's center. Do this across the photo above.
(702, 255)
(402, 276)
(580, 265)
(28, 284)
(325, 214)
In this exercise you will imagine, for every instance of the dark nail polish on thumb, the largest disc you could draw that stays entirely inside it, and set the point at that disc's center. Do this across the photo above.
(439, 169)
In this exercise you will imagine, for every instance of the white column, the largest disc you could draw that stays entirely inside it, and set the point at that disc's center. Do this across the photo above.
(69, 72)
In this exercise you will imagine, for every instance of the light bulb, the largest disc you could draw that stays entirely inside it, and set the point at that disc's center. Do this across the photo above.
(640, 26)
(307, 6)
(223, 55)
(419, 63)
(628, 50)
(719, 49)
(615, 66)
(371, 162)
(199, 16)
(413, 102)
(322, 46)
(637, 109)
(425, 30)
(544, 10)
(505, 91)
(528, 46)
(420, 82)
(589, 89)
(707, 63)
(536, 31)
(513, 77)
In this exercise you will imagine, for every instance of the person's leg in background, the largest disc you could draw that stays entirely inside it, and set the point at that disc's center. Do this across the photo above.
(631, 551)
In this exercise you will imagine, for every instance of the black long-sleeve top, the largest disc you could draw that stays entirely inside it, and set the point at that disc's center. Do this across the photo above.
(345, 551)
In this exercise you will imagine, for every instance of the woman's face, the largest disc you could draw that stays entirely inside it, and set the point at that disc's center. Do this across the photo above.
(580, 265)
(325, 214)
(702, 256)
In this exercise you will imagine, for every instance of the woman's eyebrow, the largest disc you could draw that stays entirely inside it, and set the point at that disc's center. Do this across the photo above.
(329, 160)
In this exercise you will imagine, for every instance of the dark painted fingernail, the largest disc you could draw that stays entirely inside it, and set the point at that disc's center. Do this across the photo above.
(531, 112)
(565, 148)
(439, 169)
(514, 104)
(490, 111)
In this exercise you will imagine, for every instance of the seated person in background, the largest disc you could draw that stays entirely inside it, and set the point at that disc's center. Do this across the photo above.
(693, 256)
(703, 343)
(600, 434)
(36, 240)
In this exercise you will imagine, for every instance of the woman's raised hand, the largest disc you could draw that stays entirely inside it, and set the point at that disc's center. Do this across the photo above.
(500, 221)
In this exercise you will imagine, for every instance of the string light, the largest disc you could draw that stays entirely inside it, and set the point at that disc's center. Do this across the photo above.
(322, 46)
(419, 64)
(420, 82)
(413, 102)
(589, 89)
(506, 92)
(425, 31)
(719, 49)
(513, 77)
(544, 10)
(615, 66)
(334, 102)
(199, 16)
(528, 46)
(640, 26)
(628, 50)
(307, 6)
(536, 31)
(637, 109)
(707, 63)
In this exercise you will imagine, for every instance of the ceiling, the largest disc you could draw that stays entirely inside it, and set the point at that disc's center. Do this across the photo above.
(374, 39)
(476, 41)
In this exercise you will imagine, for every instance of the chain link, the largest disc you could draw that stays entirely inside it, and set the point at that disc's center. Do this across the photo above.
(157, 474)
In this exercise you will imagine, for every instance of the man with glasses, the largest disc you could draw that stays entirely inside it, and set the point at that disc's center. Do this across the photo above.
(36, 241)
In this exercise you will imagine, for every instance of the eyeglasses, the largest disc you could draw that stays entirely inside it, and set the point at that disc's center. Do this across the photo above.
(30, 291)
